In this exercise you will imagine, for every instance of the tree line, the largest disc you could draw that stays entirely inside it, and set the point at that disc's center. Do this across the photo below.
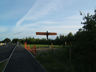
(59, 40)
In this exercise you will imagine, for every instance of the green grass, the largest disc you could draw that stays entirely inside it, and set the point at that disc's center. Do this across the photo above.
(38, 46)
(55, 61)
(44, 46)
(2, 65)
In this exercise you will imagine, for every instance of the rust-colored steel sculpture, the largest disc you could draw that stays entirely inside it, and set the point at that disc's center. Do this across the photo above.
(46, 33)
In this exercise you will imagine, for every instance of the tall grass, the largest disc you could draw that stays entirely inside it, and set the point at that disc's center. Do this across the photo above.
(55, 61)
(2, 65)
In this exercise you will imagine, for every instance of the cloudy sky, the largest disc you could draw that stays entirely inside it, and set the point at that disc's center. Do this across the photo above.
(22, 18)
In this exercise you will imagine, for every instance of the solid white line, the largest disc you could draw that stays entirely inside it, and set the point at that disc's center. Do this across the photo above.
(9, 58)
(4, 60)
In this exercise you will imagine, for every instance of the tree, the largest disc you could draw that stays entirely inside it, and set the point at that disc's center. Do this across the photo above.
(15, 40)
(85, 44)
(70, 38)
(7, 40)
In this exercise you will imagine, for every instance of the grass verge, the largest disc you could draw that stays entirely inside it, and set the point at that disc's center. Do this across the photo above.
(2, 65)
(55, 61)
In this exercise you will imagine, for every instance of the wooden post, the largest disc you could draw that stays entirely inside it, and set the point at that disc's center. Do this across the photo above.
(70, 57)
(34, 50)
(52, 47)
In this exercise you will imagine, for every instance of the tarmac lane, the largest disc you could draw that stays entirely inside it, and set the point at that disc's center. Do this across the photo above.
(23, 61)
(5, 51)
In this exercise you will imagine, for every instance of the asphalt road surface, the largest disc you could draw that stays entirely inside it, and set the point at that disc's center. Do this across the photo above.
(22, 61)
(5, 51)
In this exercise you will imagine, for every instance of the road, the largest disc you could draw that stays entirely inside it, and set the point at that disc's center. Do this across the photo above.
(5, 51)
(22, 61)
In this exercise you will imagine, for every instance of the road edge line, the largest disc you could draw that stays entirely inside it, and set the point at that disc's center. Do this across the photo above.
(9, 58)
